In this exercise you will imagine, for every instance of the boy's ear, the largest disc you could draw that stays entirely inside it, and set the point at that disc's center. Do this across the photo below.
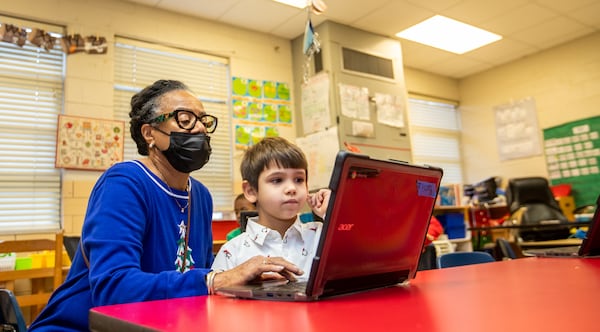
(249, 192)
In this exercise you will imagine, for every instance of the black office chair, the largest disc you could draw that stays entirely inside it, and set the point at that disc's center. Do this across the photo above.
(461, 258)
(428, 259)
(531, 201)
(244, 215)
(11, 317)
(505, 249)
(71, 244)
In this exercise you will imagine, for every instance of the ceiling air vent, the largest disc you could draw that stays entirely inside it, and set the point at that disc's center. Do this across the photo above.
(367, 63)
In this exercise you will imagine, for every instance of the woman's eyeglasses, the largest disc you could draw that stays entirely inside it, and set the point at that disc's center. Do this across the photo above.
(187, 120)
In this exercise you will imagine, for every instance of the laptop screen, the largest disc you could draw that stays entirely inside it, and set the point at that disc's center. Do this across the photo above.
(591, 245)
(375, 225)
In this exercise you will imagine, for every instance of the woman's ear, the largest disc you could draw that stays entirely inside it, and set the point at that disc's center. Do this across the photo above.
(250, 193)
(146, 131)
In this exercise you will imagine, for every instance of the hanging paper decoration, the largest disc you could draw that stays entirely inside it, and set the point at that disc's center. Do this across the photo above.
(13, 34)
(40, 38)
(70, 44)
(312, 45)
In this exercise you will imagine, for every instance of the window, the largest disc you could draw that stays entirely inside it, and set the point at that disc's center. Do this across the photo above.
(31, 98)
(435, 136)
(138, 64)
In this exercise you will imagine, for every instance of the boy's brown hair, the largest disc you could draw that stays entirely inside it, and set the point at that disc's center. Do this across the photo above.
(271, 149)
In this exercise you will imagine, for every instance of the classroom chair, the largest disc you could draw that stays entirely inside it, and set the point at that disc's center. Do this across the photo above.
(461, 258)
(71, 244)
(11, 317)
(428, 259)
(244, 215)
(531, 203)
(505, 249)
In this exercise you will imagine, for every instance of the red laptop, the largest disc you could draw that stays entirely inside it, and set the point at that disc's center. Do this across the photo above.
(373, 232)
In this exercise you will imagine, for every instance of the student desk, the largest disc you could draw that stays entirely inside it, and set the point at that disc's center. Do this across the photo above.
(527, 294)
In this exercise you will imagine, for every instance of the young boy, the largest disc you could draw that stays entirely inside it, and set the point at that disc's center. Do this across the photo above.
(274, 173)
(239, 204)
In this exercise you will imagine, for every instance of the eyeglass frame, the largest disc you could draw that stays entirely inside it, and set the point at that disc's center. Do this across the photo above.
(166, 116)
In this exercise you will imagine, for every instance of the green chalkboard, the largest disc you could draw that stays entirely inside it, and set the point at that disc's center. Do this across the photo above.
(573, 157)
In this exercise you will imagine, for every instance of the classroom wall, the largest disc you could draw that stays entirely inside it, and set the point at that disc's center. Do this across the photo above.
(89, 78)
(565, 83)
(423, 85)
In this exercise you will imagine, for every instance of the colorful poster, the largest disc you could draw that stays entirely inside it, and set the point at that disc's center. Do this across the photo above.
(90, 144)
(259, 108)
(248, 135)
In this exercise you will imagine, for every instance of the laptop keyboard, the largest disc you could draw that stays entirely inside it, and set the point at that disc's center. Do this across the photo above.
(290, 286)
(563, 251)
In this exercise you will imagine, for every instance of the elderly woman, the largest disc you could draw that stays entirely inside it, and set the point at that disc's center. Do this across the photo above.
(147, 230)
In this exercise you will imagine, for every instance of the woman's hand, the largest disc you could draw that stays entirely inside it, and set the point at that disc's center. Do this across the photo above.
(319, 201)
(258, 268)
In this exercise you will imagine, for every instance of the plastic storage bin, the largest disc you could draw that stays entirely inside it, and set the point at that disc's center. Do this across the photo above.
(7, 261)
(454, 225)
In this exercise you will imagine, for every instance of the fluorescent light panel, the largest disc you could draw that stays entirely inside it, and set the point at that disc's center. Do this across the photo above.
(294, 3)
(449, 35)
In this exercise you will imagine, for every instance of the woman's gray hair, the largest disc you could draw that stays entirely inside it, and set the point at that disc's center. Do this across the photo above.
(144, 106)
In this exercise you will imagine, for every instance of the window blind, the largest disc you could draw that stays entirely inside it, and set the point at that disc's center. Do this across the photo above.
(31, 98)
(435, 136)
(138, 64)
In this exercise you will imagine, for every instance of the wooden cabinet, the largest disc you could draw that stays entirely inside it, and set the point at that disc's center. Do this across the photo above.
(39, 294)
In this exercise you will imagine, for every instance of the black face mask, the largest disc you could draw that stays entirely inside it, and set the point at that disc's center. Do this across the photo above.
(188, 152)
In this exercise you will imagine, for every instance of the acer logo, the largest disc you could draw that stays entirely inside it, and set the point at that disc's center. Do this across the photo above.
(345, 227)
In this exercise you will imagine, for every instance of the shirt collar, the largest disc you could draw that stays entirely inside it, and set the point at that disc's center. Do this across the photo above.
(259, 233)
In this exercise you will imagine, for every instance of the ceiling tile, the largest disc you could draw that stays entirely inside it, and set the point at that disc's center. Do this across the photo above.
(420, 56)
(459, 67)
(435, 5)
(501, 52)
(348, 11)
(518, 19)
(547, 33)
(151, 3)
(260, 15)
(476, 12)
(199, 8)
(294, 26)
(589, 15)
(564, 6)
(392, 18)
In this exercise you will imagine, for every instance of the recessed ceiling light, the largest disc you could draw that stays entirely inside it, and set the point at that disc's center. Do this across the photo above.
(294, 3)
(449, 35)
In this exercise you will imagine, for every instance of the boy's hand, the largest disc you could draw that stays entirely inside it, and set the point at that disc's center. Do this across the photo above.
(319, 201)
(258, 268)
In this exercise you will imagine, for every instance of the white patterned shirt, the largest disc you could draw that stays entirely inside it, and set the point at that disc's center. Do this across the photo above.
(298, 245)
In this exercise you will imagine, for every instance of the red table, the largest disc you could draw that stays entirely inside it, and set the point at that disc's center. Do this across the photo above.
(529, 294)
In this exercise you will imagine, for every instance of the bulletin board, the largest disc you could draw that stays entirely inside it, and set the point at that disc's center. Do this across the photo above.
(88, 143)
(573, 157)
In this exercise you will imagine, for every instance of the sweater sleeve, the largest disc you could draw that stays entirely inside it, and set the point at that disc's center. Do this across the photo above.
(121, 232)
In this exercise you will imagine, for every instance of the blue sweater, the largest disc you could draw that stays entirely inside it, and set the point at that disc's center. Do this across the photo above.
(130, 236)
